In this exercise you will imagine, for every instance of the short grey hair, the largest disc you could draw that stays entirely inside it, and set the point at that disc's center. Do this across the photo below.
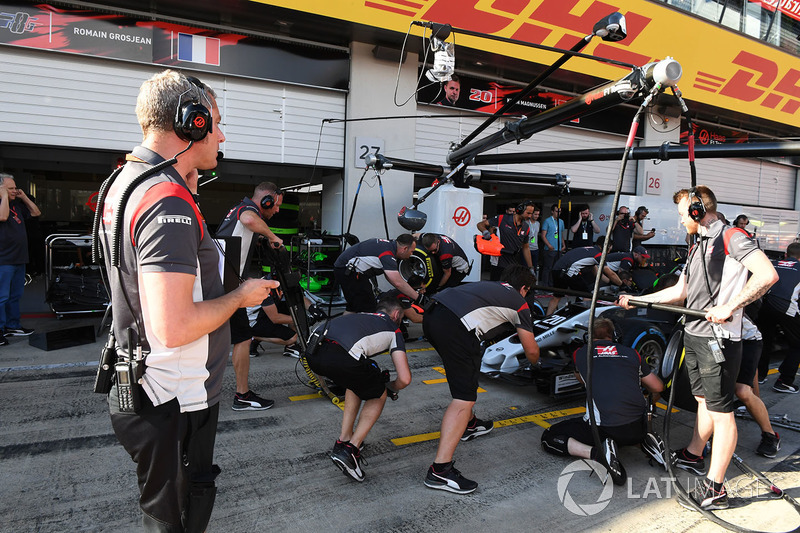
(160, 96)
(4, 176)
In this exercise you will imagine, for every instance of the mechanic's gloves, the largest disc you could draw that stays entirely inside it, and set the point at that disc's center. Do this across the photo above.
(389, 391)
(487, 235)
(422, 300)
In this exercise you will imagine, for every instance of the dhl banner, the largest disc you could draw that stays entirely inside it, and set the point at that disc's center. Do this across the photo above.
(720, 67)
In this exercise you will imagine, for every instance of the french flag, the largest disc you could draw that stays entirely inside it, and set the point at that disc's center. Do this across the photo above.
(198, 49)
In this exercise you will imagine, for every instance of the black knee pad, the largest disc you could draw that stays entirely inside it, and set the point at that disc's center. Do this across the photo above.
(555, 444)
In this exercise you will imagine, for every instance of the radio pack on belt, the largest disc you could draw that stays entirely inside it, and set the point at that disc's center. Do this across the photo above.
(316, 338)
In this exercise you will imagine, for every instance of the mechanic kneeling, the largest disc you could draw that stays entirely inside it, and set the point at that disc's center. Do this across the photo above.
(343, 355)
(620, 407)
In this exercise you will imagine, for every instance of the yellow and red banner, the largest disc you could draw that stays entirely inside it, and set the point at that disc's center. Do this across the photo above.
(720, 67)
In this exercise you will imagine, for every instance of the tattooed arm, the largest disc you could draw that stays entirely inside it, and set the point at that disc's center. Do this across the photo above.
(763, 277)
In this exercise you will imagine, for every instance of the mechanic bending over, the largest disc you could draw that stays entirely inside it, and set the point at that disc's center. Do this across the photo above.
(618, 373)
(356, 268)
(715, 280)
(576, 271)
(458, 319)
(343, 355)
(455, 265)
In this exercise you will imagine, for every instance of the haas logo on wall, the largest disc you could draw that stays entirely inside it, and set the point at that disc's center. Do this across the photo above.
(461, 216)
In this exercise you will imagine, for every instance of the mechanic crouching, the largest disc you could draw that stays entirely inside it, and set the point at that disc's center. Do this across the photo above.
(620, 408)
(343, 355)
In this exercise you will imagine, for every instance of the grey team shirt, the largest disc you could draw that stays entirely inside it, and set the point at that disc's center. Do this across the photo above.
(232, 226)
(163, 231)
(371, 257)
(484, 306)
(366, 334)
(723, 249)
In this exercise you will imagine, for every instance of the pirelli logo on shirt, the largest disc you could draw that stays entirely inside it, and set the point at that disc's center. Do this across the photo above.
(174, 219)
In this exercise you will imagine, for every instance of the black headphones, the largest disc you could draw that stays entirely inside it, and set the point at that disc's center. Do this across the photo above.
(268, 200)
(192, 119)
(696, 209)
(522, 206)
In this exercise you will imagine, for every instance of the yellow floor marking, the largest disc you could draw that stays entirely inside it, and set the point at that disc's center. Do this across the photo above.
(304, 397)
(434, 381)
(772, 371)
(439, 370)
(538, 419)
(664, 407)
(420, 350)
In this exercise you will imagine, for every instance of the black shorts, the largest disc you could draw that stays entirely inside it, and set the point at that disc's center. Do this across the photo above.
(459, 349)
(716, 382)
(357, 290)
(580, 430)
(266, 329)
(362, 377)
(562, 281)
(751, 354)
(240, 326)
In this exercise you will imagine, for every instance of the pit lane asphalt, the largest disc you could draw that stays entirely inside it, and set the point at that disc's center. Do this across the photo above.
(61, 468)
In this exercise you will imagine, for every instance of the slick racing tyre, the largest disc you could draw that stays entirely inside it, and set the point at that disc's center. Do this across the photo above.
(646, 339)
(673, 373)
(422, 264)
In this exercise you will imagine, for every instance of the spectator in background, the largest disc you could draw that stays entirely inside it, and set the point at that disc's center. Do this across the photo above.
(622, 230)
(584, 228)
(639, 236)
(533, 244)
(553, 243)
(15, 209)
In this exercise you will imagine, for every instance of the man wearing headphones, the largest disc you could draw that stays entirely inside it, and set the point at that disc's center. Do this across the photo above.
(514, 233)
(715, 280)
(245, 220)
(618, 373)
(454, 262)
(584, 228)
(170, 311)
(356, 268)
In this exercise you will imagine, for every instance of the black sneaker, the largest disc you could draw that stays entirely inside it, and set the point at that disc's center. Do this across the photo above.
(706, 497)
(348, 458)
(779, 386)
(770, 444)
(763, 380)
(450, 480)
(293, 350)
(695, 466)
(608, 458)
(3, 341)
(254, 346)
(249, 401)
(476, 428)
(18, 332)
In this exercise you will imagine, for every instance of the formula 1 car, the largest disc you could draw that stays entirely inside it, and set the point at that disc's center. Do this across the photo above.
(563, 332)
